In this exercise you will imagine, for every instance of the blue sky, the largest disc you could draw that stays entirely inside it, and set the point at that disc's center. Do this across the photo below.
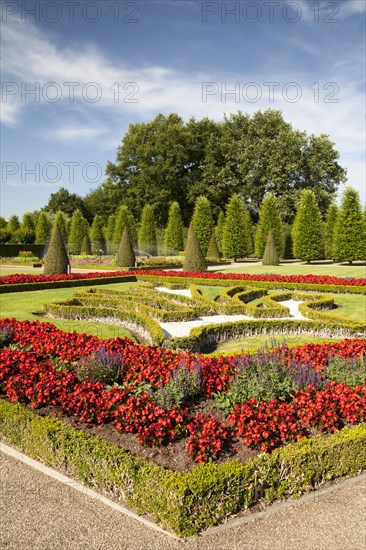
(96, 67)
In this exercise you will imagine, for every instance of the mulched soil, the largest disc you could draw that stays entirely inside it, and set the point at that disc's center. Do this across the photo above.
(172, 456)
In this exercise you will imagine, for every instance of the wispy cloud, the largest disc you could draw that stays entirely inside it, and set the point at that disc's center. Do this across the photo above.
(129, 93)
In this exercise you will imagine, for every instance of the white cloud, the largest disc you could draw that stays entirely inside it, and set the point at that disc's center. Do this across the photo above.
(71, 133)
(155, 89)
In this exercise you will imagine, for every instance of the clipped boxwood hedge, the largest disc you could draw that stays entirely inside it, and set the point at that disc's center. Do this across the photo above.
(204, 338)
(183, 502)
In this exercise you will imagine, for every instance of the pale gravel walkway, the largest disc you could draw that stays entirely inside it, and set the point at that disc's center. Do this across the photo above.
(39, 513)
(183, 328)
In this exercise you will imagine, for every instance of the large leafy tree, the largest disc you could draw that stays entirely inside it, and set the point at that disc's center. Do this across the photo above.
(235, 238)
(350, 235)
(263, 153)
(147, 233)
(151, 164)
(269, 219)
(308, 229)
(174, 231)
(67, 202)
(203, 222)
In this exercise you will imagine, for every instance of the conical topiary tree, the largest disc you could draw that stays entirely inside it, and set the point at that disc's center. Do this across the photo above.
(86, 246)
(202, 222)
(56, 261)
(78, 230)
(43, 229)
(219, 230)
(329, 229)
(269, 218)
(173, 240)
(125, 255)
(97, 236)
(349, 234)
(307, 231)
(213, 254)
(147, 233)
(270, 256)
(194, 260)
(235, 238)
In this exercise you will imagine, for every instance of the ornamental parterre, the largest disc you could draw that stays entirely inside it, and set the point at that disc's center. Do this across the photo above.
(39, 366)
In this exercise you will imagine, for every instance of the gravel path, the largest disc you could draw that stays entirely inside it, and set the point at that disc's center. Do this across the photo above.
(39, 513)
(183, 328)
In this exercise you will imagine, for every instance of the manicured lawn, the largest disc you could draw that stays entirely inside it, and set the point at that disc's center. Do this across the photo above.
(351, 306)
(21, 305)
(336, 270)
(251, 344)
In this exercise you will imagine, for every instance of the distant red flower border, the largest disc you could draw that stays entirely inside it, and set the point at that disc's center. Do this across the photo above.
(303, 279)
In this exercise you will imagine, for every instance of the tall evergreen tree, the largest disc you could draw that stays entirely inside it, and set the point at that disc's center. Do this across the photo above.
(85, 248)
(219, 230)
(308, 229)
(269, 218)
(235, 238)
(56, 260)
(125, 255)
(124, 219)
(2, 223)
(13, 224)
(43, 229)
(78, 230)
(202, 222)
(174, 231)
(349, 236)
(97, 236)
(60, 219)
(248, 230)
(329, 229)
(194, 259)
(147, 233)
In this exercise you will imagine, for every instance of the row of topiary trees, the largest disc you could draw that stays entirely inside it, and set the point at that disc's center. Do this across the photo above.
(341, 236)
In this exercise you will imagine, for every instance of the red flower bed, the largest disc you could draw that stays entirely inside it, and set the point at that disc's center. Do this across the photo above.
(306, 279)
(29, 375)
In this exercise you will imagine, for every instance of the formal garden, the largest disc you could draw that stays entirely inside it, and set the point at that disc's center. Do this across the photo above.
(194, 351)
(158, 419)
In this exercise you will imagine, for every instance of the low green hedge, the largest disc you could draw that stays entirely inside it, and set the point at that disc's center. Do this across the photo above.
(342, 289)
(133, 320)
(183, 502)
(202, 339)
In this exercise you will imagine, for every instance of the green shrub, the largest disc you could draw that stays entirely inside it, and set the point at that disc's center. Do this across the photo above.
(194, 259)
(202, 222)
(270, 256)
(56, 260)
(85, 249)
(147, 232)
(125, 256)
(213, 254)
(191, 501)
